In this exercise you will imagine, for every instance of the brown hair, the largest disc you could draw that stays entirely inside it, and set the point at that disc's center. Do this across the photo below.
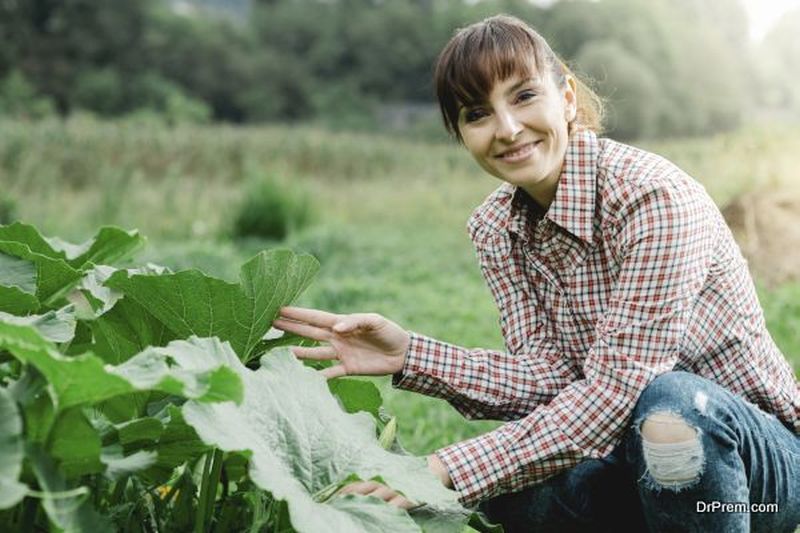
(495, 49)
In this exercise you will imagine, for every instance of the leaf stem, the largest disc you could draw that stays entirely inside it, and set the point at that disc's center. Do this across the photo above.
(202, 501)
(208, 491)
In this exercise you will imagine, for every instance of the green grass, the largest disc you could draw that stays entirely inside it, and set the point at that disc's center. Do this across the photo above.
(391, 223)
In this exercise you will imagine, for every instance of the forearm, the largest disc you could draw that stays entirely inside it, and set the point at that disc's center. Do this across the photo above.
(480, 383)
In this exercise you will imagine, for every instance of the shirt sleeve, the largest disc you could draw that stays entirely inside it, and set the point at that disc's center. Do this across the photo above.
(481, 383)
(665, 244)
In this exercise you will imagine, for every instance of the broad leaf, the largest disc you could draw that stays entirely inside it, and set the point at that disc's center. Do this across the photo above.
(55, 326)
(177, 444)
(95, 298)
(194, 369)
(16, 301)
(109, 245)
(302, 442)
(75, 444)
(54, 277)
(191, 303)
(127, 329)
(11, 452)
(15, 272)
(357, 395)
(69, 507)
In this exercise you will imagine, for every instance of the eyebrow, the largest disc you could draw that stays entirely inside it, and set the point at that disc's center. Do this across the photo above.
(532, 81)
(535, 81)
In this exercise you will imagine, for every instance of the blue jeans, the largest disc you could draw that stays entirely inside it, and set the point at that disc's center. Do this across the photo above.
(739, 455)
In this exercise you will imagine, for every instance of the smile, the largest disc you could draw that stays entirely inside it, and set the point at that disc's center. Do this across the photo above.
(518, 154)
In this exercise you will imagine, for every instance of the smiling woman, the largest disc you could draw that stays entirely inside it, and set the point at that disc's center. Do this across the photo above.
(639, 376)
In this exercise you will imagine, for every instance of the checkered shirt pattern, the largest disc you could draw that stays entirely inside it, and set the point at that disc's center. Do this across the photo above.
(630, 273)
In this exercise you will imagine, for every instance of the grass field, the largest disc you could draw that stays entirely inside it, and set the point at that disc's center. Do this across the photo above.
(390, 217)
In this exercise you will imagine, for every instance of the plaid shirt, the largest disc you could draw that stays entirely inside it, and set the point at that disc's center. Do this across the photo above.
(630, 273)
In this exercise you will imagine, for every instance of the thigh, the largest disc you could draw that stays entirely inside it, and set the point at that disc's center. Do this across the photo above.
(596, 495)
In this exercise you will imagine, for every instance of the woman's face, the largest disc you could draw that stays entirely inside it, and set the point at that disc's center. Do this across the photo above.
(520, 133)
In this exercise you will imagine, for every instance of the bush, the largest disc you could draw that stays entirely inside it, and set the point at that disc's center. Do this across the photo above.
(8, 210)
(19, 99)
(271, 209)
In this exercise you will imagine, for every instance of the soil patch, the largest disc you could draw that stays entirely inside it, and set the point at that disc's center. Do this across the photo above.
(766, 225)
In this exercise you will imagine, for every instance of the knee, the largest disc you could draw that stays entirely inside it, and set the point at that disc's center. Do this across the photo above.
(663, 427)
(672, 450)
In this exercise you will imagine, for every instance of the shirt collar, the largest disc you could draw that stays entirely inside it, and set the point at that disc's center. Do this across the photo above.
(573, 207)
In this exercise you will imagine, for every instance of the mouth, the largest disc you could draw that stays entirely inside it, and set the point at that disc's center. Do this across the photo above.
(518, 153)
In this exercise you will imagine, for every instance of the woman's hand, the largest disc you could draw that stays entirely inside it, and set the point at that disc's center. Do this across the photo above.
(391, 496)
(379, 490)
(364, 343)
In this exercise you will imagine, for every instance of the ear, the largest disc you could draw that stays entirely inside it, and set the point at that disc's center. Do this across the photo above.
(570, 98)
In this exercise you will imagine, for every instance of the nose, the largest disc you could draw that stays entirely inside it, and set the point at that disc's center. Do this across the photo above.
(508, 127)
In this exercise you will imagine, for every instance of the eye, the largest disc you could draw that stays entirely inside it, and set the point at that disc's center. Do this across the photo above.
(526, 95)
(474, 114)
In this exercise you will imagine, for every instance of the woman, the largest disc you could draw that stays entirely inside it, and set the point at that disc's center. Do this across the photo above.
(640, 384)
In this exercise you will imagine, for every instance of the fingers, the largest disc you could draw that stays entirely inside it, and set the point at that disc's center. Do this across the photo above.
(304, 330)
(314, 317)
(335, 371)
(360, 487)
(321, 353)
(350, 323)
(378, 490)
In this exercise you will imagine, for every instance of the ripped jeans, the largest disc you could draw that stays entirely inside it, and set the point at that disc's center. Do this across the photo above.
(716, 478)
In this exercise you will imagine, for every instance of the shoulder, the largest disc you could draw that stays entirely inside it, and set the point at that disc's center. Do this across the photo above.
(490, 218)
(632, 180)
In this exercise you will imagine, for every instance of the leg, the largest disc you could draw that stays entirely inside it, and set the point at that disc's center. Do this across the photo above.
(597, 495)
(693, 443)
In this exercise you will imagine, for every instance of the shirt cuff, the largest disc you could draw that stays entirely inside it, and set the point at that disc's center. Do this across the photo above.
(475, 467)
(431, 367)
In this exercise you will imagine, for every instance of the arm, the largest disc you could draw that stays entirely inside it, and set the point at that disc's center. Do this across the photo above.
(483, 383)
(665, 243)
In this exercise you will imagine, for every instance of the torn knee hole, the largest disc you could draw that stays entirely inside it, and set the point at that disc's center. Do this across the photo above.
(663, 428)
(672, 449)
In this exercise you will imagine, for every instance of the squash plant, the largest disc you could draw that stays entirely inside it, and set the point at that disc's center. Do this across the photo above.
(146, 400)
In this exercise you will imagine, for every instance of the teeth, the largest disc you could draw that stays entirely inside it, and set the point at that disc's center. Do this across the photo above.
(519, 151)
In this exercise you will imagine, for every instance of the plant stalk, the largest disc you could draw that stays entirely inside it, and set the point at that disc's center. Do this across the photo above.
(208, 491)
(202, 500)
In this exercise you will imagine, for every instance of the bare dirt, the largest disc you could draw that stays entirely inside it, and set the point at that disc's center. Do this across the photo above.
(766, 225)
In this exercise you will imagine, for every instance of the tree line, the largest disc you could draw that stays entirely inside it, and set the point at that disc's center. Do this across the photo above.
(665, 67)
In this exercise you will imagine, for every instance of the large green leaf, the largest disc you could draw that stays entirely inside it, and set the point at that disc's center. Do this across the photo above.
(75, 444)
(127, 329)
(191, 303)
(68, 506)
(177, 444)
(356, 395)
(16, 272)
(11, 452)
(55, 326)
(54, 277)
(302, 442)
(110, 244)
(194, 369)
(16, 301)
(95, 299)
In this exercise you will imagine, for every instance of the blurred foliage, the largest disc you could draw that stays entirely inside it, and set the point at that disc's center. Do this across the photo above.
(272, 209)
(8, 210)
(665, 67)
(19, 98)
